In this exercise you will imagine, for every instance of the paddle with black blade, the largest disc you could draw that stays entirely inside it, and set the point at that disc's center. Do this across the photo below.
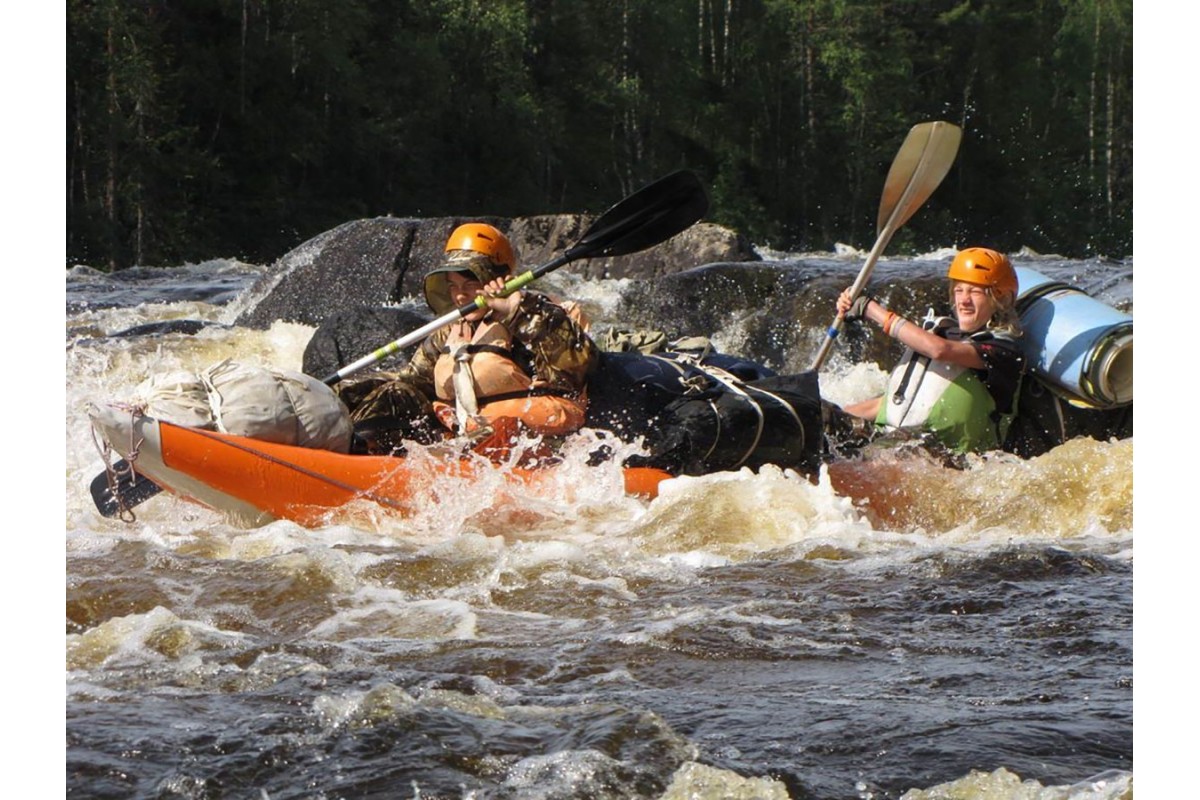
(647, 217)
(124, 490)
(920, 165)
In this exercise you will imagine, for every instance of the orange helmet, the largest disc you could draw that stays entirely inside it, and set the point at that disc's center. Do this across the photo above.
(481, 238)
(477, 248)
(984, 267)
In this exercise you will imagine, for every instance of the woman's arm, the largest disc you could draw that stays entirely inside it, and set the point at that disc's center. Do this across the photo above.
(910, 334)
(867, 409)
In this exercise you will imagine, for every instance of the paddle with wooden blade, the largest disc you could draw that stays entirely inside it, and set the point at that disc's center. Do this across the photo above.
(647, 217)
(924, 159)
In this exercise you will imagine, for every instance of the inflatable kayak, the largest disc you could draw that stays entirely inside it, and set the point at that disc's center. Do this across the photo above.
(255, 481)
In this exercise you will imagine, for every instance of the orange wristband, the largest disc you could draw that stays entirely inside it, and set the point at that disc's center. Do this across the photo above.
(888, 319)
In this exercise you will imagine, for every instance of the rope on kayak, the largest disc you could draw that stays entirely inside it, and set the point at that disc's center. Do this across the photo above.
(738, 387)
(787, 407)
(734, 385)
(113, 473)
(697, 383)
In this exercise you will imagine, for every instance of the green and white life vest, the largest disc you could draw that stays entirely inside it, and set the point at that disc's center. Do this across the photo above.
(950, 401)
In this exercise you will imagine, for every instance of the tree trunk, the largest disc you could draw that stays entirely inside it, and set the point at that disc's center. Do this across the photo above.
(727, 62)
(1091, 121)
(110, 179)
(1110, 148)
(242, 61)
(810, 71)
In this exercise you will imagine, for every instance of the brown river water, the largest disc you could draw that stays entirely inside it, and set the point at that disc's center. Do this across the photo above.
(966, 634)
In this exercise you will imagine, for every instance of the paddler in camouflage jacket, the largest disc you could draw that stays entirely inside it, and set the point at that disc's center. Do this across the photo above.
(523, 356)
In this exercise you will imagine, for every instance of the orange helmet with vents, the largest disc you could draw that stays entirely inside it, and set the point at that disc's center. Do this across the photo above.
(983, 266)
(481, 238)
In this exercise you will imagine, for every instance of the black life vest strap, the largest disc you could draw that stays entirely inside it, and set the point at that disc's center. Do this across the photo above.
(935, 325)
(902, 389)
(482, 348)
(537, 391)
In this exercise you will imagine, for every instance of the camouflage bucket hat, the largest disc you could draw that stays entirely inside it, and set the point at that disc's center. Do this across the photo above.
(437, 284)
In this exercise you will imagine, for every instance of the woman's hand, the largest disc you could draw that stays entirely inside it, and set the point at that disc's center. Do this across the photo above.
(843, 302)
(852, 309)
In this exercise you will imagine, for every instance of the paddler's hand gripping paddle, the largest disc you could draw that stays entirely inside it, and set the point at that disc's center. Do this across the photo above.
(924, 159)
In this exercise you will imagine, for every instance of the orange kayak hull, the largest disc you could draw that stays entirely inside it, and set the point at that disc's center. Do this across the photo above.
(259, 481)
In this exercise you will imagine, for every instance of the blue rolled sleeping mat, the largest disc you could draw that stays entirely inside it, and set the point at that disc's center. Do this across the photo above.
(1080, 355)
(1080, 345)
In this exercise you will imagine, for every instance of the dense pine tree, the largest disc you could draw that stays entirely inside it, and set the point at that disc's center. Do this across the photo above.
(204, 128)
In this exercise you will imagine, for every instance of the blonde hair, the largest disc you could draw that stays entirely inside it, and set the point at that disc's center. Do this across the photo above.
(1005, 318)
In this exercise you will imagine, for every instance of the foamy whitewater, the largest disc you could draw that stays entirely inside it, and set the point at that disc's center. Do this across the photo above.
(741, 636)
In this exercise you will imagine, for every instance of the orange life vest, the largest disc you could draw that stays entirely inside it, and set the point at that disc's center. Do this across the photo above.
(487, 353)
(481, 363)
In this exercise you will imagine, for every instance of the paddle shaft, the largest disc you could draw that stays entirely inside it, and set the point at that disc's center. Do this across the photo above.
(449, 317)
(918, 168)
(856, 289)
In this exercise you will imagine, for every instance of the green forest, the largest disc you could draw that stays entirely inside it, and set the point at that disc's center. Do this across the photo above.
(240, 128)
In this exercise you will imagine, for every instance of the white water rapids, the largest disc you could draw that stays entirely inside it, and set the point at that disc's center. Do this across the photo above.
(741, 636)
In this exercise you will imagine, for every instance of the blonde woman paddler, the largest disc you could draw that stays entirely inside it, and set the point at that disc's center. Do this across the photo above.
(959, 378)
(522, 357)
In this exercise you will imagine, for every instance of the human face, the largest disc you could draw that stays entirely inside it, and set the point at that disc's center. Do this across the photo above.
(973, 306)
(464, 288)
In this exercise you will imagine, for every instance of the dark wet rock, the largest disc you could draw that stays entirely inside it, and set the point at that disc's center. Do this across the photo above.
(776, 307)
(540, 239)
(188, 327)
(354, 332)
(358, 263)
(383, 260)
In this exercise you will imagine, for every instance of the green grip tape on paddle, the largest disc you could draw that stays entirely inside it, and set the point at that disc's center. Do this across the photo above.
(385, 351)
(524, 279)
